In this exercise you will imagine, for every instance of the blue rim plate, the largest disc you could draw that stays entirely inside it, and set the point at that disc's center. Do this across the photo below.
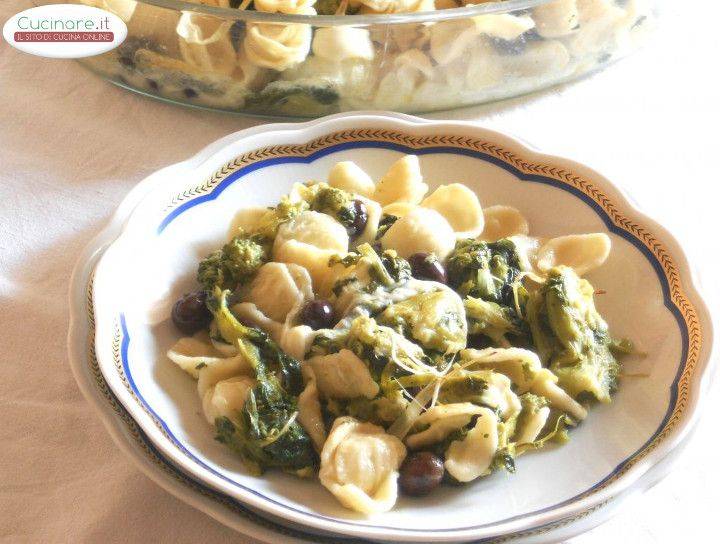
(558, 195)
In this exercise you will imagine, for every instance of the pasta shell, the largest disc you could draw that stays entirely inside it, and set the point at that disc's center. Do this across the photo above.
(348, 176)
(227, 398)
(302, 7)
(449, 40)
(581, 252)
(205, 43)
(338, 43)
(277, 46)
(246, 220)
(600, 21)
(398, 209)
(503, 222)
(359, 465)
(217, 370)
(393, 6)
(472, 457)
(533, 426)
(192, 352)
(309, 414)
(422, 230)
(441, 420)
(503, 26)
(343, 375)
(403, 182)
(296, 341)
(312, 258)
(556, 19)
(314, 228)
(543, 57)
(248, 313)
(277, 288)
(460, 206)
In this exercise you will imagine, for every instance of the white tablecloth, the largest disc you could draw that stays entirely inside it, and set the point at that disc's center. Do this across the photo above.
(71, 146)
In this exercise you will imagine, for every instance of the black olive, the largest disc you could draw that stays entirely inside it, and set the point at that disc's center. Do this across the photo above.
(318, 314)
(357, 227)
(127, 62)
(478, 341)
(426, 267)
(190, 93)
(190, 313)
(421, 473)
(153, 84)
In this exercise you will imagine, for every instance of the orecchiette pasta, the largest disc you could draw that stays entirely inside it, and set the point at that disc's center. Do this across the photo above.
(539, 58)
(533, 426)
(314, 228)
(471, 457)
(440, 421)
(192, 351)
(398, 85)
(503, 26)
(301, 7)
(359, 464)
(449, 40)
(393, 6)
(248, 313)
(371, 328)
(525, 370)
(503, 222)
(277, 46)
(226, 398)
(217, 370)
(348, 176)
(460, 206)
(343, 375)
(599, 21)
(403, 182)
(295, 341)
(421, 230)
(312, 258)
(278, 288)
(205, 43)
(246, 220)
(557, 18)
(581, 252)
(309, 414)
(338, 43)
(398, 209)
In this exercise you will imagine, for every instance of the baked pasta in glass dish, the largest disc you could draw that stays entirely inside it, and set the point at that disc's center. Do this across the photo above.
(308, 58)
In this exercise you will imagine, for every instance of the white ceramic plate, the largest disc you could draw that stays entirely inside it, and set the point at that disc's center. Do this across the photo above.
(650, 298)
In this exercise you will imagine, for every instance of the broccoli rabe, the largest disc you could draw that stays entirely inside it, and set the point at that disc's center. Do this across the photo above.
(309, 99)
(272, 219)
(493, 320)
(384, 270)
(571, 337)
(488, 275)
(235, 263)
(336, 203)
(485, 270)
(386, 221)
(434, 319)
(267, 433)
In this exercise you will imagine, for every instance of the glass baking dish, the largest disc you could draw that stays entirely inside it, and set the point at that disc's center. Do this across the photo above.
(305, 65)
